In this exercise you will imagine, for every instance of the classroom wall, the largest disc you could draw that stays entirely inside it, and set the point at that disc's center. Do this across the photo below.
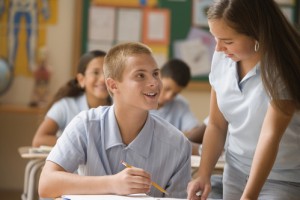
(17, 129)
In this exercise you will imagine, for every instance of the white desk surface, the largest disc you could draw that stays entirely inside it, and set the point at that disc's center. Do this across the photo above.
(114, 197)
(27, 153)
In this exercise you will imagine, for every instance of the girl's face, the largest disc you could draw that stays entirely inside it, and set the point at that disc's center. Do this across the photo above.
(93, 80)
(238, 47)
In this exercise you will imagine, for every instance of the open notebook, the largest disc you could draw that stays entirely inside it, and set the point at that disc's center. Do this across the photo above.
(114, 197)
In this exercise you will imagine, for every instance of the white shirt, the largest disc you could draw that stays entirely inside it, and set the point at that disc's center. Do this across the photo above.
(64, 110)
(93, 142)
(244, 105)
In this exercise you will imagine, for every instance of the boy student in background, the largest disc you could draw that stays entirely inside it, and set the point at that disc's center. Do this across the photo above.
(255, 100)
(86, 90)
(175, 75)
(96, 141)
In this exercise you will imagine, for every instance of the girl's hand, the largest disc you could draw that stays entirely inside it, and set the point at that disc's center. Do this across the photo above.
(198, 189)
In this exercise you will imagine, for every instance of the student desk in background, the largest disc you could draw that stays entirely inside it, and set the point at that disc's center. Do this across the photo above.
(195, 161)
(36, 157)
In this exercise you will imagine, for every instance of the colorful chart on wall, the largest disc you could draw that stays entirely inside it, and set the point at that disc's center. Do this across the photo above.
(127, 3)
(23, 31)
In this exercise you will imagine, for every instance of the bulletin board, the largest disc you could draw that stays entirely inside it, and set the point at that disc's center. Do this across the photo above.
(180, 22)
(182, 25)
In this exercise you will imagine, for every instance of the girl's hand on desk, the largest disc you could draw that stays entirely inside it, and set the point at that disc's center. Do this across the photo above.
(201, 185)
(131, 181)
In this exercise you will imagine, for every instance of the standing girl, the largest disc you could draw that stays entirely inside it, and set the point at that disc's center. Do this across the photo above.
(256, 97)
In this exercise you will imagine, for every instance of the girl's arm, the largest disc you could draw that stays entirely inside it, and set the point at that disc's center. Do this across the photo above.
(46, 133)
(273, 128)
(213, 145)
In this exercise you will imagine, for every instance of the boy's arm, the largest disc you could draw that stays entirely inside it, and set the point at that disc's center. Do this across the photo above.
(196, 134)
(55, 182)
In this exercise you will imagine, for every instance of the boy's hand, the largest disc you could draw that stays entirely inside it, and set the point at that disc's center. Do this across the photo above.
(131, 181)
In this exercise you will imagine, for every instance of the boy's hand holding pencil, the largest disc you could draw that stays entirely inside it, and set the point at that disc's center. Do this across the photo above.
(131, 181)
(152, 183)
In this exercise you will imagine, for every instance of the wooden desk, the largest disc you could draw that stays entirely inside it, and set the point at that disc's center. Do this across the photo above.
(195, 161)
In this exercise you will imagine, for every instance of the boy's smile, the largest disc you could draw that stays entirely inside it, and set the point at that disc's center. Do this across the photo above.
(140, 85)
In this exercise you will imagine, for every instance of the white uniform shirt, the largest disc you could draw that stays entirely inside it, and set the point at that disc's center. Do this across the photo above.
(64, 110)
(244, 105)
(93, 142)
(178, 113)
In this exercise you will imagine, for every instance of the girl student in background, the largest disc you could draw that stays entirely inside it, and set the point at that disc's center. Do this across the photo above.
(86, 90)
(256, 98)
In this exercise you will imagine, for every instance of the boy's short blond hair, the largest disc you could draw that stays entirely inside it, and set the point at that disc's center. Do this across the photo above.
(116, 58)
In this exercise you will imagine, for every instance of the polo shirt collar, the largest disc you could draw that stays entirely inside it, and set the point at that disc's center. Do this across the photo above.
(255, 71)
(141, 144)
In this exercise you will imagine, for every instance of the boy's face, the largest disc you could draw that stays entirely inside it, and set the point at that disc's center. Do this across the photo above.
(169, 91)
(140, 86)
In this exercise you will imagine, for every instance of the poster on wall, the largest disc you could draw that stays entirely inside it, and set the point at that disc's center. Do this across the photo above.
(285, 2)
(197, 51)
(23, 32)
(200, 8)
(102, 23)
(156, 26)
(129, 25)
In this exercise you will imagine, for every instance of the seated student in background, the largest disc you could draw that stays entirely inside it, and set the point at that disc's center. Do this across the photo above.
(86, 90)
(97, 140)
(197, 138)
(175, 76)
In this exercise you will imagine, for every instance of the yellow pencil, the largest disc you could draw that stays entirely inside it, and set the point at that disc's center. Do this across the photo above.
(152, 183)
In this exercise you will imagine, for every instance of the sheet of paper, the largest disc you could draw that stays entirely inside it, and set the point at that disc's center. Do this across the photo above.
(101, 23)
(157, 24)
(195, 54)
(129, 25)
(115, 197)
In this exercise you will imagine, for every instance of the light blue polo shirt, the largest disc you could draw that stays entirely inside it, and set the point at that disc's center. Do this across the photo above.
(244, 104)
(92, 141)
(64, 110)
(178, 113)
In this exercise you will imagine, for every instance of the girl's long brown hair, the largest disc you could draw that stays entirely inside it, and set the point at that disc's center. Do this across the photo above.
(278, 40)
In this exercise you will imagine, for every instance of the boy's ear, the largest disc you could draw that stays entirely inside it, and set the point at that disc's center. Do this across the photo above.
(111, 85)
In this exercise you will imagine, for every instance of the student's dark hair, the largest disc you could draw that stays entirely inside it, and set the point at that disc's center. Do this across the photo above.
(177, 70)
(72, 88)
(279, 42)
